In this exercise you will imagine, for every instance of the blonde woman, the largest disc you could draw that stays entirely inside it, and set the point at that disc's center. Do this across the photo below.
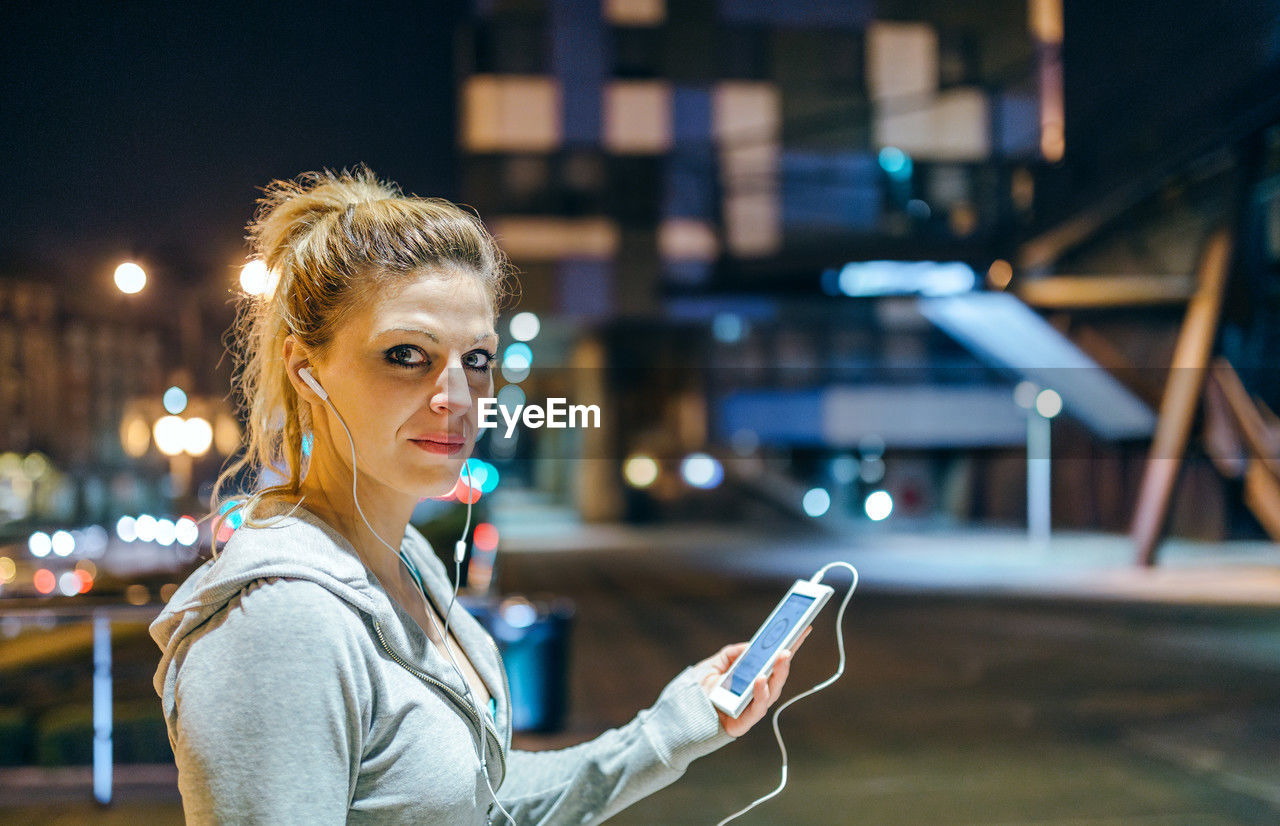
(309, 674)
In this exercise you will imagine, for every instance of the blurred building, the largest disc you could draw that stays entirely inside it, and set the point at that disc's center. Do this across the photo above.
(683, 184)
(82, 378)
(632, 149)
(682, 181)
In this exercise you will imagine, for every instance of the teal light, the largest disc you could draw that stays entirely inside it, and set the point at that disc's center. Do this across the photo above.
(236, 519)
(896, 163)
(175, 400)
(483, 475)
(519, 354)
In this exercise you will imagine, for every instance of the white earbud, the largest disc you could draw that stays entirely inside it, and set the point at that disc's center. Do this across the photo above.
(305, 375)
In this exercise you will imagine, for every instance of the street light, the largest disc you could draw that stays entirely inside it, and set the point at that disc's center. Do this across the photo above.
(1041, 406)
(130, 278)
(254, 277)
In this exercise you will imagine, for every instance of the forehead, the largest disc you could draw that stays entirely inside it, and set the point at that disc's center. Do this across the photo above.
(449, 304)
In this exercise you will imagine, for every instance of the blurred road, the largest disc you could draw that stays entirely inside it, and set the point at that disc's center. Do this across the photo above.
(955, 709)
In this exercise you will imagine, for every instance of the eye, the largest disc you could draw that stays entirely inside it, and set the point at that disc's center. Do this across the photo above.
(479, 360)
(405, 355)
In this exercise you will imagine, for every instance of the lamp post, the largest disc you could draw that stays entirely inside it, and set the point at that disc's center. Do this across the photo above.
(1042, 405)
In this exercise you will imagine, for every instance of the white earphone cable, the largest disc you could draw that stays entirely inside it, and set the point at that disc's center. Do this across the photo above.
(459, 552)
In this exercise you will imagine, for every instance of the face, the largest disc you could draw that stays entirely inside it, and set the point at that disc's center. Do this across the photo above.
(406, 372)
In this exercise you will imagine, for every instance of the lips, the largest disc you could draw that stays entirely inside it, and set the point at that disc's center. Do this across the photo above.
(442, 443)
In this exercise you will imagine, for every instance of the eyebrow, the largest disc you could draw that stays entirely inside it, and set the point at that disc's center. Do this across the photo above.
(433, 336)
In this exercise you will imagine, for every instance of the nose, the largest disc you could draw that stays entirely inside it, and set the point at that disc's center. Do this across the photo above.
(452, 393)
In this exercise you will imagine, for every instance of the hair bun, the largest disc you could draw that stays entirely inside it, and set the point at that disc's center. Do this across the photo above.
(285, 223)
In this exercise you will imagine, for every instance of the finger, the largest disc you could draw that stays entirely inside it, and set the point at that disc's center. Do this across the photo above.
(761, 692)
(781, 670)
(804, 636)
(726, 656)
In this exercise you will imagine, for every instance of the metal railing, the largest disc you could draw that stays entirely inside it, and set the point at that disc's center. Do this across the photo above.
(101, 616)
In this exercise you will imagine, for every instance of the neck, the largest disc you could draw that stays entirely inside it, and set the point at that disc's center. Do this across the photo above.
(327, 493)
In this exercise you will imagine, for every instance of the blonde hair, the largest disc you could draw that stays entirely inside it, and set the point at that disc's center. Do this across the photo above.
(330, 241)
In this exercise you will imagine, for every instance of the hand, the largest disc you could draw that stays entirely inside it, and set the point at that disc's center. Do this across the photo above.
(712, 671)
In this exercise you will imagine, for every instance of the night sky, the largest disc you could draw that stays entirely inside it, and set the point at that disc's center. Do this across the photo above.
(146, 128)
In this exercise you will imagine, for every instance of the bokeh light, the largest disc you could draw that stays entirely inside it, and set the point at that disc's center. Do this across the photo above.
(69, 583)
(8, 569)
(640, 470)
(999, 274)
(197, 436)
(126, 529)
(517, 360)
(253, 277)
(94, 540)
(525, 326)
(701, 471)
(175, 400)
(1024, 395)
(816, 502)
(63, 543)
(169, 433)
(844, 469)
(728, 328)
(165, 532)
(1048, 403)
(186, 531)
(483, 475)
(878, 505)
(485, 537)
(130, 280)
(44, 580)
(39, 544)
(135, 436)
(518, 612)
(145, 528)
(896, 164)
(34, 466)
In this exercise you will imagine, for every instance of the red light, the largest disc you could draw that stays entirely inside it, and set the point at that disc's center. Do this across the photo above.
(45, 581)
(486, 537)
(86, 580)
(453, 492)
(225, 531)
(467, 495)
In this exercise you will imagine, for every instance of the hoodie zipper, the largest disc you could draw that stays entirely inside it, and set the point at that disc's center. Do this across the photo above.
(473, 720)
(506, 684)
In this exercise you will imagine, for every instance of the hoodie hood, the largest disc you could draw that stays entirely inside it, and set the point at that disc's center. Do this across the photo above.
(293, 543)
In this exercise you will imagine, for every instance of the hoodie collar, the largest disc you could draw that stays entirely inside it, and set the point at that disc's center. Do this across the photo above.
(293, 543)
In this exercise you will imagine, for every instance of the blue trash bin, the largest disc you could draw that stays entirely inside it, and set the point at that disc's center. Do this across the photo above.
(533, 639)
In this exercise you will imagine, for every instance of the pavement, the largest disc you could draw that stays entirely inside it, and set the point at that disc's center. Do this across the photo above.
(991, 680)
(966, 562)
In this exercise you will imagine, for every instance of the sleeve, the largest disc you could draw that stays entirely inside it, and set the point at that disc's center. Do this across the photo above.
(593, 781)
(269, 717)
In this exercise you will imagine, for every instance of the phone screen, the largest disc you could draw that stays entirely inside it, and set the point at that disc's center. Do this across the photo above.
(766, 645)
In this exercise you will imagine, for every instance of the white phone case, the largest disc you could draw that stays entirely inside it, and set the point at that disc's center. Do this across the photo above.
(784, 625)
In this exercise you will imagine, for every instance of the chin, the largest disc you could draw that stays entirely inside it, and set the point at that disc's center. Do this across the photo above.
(436, 484)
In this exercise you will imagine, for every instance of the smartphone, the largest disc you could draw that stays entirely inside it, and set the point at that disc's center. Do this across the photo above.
(784, 626)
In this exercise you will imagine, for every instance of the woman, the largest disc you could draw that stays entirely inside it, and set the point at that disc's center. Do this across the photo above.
(308, 673)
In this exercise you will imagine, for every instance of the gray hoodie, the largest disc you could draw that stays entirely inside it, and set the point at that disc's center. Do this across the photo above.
(296, 690)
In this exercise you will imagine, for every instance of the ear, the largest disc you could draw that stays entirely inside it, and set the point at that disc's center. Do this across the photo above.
(296, 358)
